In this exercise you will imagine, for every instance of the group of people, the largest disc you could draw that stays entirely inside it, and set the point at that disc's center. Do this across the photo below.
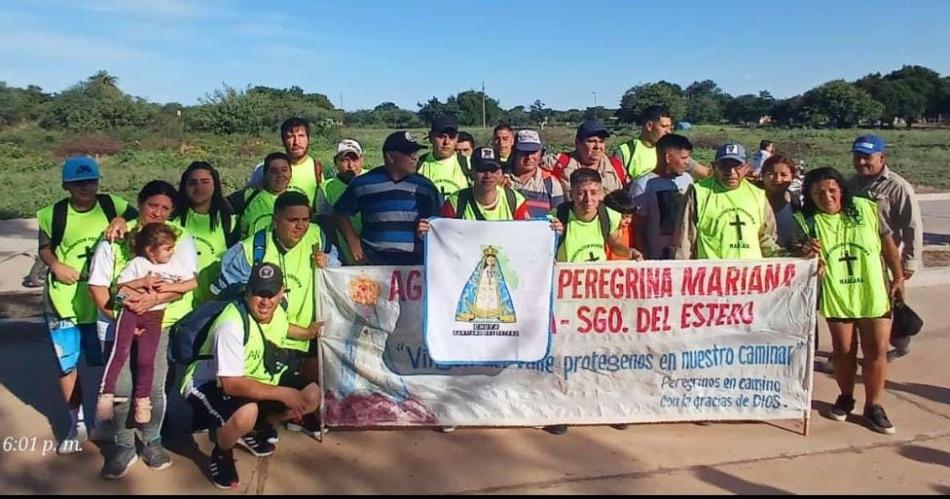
(122, 276)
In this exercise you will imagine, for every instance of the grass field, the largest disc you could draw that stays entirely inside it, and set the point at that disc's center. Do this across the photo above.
(30, 158)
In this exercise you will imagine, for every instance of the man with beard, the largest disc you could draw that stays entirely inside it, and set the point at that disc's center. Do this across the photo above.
(349, 164)
(307, 173)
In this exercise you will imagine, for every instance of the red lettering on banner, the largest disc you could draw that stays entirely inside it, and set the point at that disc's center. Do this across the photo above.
(732, 280)
(395, 288)
(414, 291)
(591, 283)
(582, 314)
(653, 319)
(576, 288)
(715, 282)
(771, 277)
(563, 281)
(693, 279)
(789, 276)
(604, 283)
(755, 283)
(700, 315)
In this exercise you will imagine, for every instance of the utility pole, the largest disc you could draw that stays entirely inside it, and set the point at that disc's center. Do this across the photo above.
(595, 98)
(484, 123)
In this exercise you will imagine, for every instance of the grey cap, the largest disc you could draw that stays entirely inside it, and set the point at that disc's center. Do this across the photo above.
(731, 150)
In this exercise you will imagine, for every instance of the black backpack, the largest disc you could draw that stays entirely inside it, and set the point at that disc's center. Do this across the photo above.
(564, 212)
(61, 210)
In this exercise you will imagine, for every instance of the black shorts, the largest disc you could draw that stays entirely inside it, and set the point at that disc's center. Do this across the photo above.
(211, 401)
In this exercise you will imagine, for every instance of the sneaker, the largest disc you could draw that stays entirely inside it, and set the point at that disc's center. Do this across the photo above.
(224, 474)
(877, 418)
(447, 429)
(558, 429)
(308, 424)
(72, 443)
(843, 406)
(897, 353)
(118, 463)
(156, 457)
(268, 433)
(259, 447)
(105, 407)
(143, 410)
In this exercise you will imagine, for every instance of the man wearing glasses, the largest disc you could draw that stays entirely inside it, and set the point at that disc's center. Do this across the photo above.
(391, 199)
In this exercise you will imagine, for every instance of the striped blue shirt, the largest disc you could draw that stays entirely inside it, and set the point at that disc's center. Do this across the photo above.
(390, 211)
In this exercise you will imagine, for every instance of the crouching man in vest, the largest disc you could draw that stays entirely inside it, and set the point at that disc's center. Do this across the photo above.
(237, 377)
(725, 216)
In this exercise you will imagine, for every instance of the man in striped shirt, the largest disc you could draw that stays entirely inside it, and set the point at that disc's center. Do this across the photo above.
(391, 199)
(542, 192)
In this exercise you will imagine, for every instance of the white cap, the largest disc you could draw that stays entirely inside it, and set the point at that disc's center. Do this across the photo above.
(349, 145)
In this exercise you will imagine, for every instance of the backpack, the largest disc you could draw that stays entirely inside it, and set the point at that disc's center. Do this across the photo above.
(189, 334)
(633, 149)
(61, 210)
(564, 213)
(466, 199)
(564, 158)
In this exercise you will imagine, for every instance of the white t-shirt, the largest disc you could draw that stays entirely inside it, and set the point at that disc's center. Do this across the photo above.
(758, 159)
(658, 201)
(102, 273)
(228, 360)
(171, 272)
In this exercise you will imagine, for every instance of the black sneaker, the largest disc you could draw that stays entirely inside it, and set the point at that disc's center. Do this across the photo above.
(308, 424)
(119, 462)
(224, 474)
(843, 406)
(877, 418)
(268, 433)
(897, 353)
(558, 429)
(256, 445)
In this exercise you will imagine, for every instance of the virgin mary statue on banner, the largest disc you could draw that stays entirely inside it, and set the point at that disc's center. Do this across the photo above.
(485, 297)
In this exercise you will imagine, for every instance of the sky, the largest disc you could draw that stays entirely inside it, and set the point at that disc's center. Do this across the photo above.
(362, 53)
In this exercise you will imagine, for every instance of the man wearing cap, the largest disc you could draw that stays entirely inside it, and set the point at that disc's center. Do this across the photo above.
(638, 155)
(589, 147)
(390, 201)
(898, 206)
(445, 167)
(68, 232)
(725, 216)
(307, 173)
(487, 199)
(240, 379)
(542, 191)
(349, 165)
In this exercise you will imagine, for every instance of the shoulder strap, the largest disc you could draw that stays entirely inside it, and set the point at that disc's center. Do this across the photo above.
(465, 200)
(60, 211)
(618, 168)
(108, 206)
(463, 163)
(247, 202)
(604, 218)
(512, 201)
(245, 320)
(812, 229)
(260, 246)
(563, 214)
(318, 171)
(562, 160)
(632, 146)
(230, 233)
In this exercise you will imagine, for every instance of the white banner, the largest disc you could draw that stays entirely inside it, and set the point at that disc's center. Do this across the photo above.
(635, 342)
(488, 291)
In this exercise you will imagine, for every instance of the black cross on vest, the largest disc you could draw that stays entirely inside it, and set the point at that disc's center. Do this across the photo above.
(738, 225)
(849, 260)
(593, 258)
(84, 273)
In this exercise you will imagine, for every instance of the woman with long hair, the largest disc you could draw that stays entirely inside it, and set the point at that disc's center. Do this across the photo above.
(202, 210)
(849, 237)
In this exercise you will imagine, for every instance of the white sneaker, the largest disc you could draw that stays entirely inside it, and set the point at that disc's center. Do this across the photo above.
(73, 441)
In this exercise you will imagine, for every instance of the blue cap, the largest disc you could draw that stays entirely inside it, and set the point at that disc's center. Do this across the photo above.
(591, 128)
(731, 150)
(868, 144)
(79, 168)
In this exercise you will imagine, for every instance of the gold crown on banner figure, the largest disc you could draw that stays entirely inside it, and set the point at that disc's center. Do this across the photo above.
(490, 251)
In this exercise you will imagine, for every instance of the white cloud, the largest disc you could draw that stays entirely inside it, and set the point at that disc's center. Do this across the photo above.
(53, 46)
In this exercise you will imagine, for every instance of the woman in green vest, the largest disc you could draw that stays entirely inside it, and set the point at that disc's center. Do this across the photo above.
(849, 237)
(204, 213)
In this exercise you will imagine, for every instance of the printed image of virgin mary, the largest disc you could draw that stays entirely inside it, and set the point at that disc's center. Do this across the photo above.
(485, 297)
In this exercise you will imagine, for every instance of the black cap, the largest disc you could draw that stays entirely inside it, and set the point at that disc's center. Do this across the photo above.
(484, 159)
(401, 142)
(591, 128)
(266, 280)
(443, 123)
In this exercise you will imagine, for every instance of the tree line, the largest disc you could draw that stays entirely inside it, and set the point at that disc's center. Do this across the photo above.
(905, 96)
